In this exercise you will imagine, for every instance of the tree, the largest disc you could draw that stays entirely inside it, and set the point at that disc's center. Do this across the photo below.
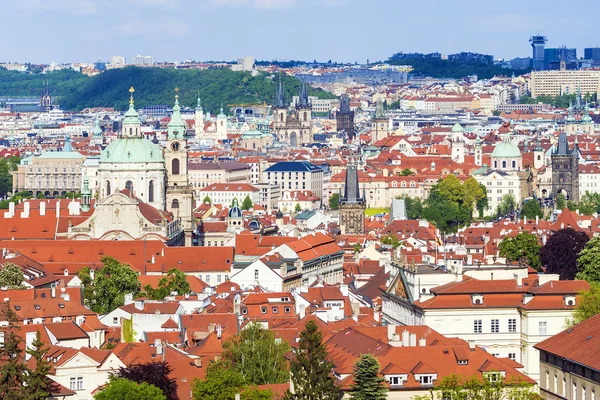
(121, 388)
(223, 382)
(588, 305)
(457, 387)
(37, 384)
(107, 290)
(257, 356)
(11, 277)
(589, 260)
(247, 203)
(524, 248)
(406, 172)
(391, 241)
(507, 205)
(311, 372)
(414, 207)
(559, 254)
(207, 200)
(560, 201)
(174, 281)
(153, 373)
(298, 208)
(11, 365)
(532, 209)
(7, 165)
(368, 385)
(589, 203)
(334, 201)
(357, 248)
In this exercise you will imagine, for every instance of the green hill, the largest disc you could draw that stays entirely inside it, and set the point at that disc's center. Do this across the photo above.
(153, 86)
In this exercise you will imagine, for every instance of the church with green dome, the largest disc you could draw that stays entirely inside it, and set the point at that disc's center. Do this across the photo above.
(133, 162)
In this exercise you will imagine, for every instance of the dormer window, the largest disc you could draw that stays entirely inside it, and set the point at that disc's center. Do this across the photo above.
(494, 376)
(426, 379)
(570, 300)
(477, 299)
(37, 306)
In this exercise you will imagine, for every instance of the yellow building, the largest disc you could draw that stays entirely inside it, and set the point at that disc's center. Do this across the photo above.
(556, 83)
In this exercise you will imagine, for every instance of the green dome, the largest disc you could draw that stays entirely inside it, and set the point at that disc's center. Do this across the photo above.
(251, 134)
(457, 128)
(506, 149)
(131, 150)
(131, 116)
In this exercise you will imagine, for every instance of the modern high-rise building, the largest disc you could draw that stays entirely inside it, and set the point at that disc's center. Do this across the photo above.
(117, 60)
(592, 54)
(557, 83)
(554, 56)
(538, 43)
(142, 60)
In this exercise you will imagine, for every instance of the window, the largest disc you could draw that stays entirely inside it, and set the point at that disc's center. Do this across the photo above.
(477, 326)
(512, 325)
(219, 278)
(287, 310)
(495, 326)
(426, 379)
(207, 278)
(107, 188)
(175, 166)
(274, 310)
(263, 310)
(73, 383)
(494, 376)
(395, 380)
(175, 204)
(256, 274)
(543, 328)
(151, 191)
(512, 356)
(115, 320)
(129, 186)
(80, 383)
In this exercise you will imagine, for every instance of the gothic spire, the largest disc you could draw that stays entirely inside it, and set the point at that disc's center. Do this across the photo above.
(303, 100)
(280, 98)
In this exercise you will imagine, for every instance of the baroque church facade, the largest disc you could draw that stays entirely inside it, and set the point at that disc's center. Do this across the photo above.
(143, 193)
(293, 125)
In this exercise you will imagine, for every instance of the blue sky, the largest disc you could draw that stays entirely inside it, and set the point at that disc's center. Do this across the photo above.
(343, 30)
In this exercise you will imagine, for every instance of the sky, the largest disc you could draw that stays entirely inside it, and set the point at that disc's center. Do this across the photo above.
(41, 31)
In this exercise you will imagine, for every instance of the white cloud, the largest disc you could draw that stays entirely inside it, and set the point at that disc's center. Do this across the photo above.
(167, 27)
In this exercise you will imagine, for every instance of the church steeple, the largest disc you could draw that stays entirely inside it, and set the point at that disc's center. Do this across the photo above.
(303, 99)
(86, 195)
(280, 97)
(131, 124)
(177, 126)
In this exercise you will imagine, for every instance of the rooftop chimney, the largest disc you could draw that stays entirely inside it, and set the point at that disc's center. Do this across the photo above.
(413, 340)
(422, 342)
(42, 208)
(405, 338)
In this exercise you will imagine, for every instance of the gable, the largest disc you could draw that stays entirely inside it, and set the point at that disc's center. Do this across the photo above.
(112, 362)
(80, 360)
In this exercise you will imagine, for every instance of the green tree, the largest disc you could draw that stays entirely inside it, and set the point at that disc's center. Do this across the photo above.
(368, 385)
(311, 372)
(257, 356)
(11, 277)
(7, 165)
(174, 281)
(111, 283)
(11, 355)
(298, 208)
(589, 203)
(37, 384)
(357, 248)
(588, 261)
(524, 248)
(247, 203)
(507, 205)
(334, 201)
(532, 209)
(121, 388)
(414, 207)
(223, 382)
(560, 202)
(207, 200)
(406, 172)
(588, 304)
(391, 241)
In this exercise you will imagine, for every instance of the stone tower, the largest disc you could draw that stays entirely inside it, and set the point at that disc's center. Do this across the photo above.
(179, 193)
(199, 119)
(345, 117)
(539, 159)
(352, 206)
(379, 124)
(478, 152)
(565, 169)
(280, 110)
(458, 143)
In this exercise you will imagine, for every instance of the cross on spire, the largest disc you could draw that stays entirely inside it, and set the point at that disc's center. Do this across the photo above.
(131, 90)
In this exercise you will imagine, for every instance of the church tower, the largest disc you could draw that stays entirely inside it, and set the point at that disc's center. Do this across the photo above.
(280, 111)
(458, 143)
(179, 193)
(538, 154)
(352, 206)
(478, 152)
(565, 169)
(304, 108)
(345, 117)
(235, 218)
(199, 119)
(45, 98)
(221, 125)
(379, 124)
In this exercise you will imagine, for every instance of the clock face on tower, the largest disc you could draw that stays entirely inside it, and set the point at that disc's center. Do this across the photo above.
(175, 146)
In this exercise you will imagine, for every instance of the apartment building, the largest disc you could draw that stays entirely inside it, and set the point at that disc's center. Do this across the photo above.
(557, 83)
(205, 174)
(295, 175)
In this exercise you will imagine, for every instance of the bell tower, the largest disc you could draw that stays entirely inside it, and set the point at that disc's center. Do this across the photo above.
(179, 193)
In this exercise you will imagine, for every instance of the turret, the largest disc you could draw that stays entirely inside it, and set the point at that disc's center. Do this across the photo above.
(177, 126)
(86, 195)
(131, 124)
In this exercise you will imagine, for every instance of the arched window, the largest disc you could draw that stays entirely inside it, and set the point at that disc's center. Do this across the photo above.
(151, 191)
(130, 132)
(495, 164)
(503, 164)
(514, 164)
(129, 186)
(281, 117)
(175, 166)
(305, 116)
(175, 204)
(107, 188)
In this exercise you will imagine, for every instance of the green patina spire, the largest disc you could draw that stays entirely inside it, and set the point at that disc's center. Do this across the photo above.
(176, 127)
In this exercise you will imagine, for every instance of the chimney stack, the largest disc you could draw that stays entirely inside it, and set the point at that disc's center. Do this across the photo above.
(42, 208)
